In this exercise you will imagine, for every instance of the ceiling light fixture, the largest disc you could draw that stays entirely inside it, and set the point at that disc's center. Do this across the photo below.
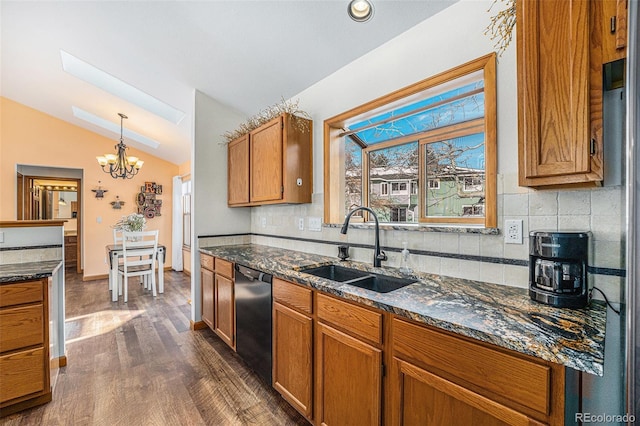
(360, 10)
(119, 165)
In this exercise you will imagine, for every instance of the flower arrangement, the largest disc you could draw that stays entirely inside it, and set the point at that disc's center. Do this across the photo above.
(134, 222)
(268, 114)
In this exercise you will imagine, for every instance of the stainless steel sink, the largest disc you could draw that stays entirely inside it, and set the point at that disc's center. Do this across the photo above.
(368, 280)
(336, 273)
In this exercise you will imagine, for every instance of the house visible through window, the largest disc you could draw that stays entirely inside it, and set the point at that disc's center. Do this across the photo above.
(477, 210)
(422, 157)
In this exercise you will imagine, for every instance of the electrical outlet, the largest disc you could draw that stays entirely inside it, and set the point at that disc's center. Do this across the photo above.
(1, 237)
(301, 223)
(263, 221)
(513, 231)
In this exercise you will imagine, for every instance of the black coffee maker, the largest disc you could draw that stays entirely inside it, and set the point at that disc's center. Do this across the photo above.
(558, 264)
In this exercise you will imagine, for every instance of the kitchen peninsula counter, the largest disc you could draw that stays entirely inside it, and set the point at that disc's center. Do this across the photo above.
(14, 272)
(497, 314)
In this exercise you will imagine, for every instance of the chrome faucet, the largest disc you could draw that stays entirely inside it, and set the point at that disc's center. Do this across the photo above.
(378, 255)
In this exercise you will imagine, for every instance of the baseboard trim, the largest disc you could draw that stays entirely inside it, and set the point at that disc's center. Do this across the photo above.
(62, 361)
(95, 277)
(197, 325)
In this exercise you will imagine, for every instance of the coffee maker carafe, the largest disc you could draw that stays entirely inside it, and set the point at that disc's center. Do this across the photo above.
(558, 263)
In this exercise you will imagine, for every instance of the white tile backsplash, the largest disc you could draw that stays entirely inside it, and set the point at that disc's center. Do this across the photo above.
(574, 203)
(543, 203)
(598, 210)
(516, 204)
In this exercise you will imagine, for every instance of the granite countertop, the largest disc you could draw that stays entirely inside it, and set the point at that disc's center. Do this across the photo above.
(15, 272)
(501, 315)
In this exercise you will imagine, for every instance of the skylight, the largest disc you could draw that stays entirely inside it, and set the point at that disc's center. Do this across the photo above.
(119, 88)
(113, 127)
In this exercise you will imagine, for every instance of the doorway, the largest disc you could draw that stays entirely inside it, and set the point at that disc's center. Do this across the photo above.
(54, 198)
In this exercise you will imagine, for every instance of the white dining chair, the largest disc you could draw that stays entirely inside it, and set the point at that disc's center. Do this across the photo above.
(117, 240)
(139, 251)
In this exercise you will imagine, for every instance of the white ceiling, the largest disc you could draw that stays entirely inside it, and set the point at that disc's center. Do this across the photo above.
(245, 54)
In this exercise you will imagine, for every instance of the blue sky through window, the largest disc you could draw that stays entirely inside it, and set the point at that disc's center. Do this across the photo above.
(460, 109)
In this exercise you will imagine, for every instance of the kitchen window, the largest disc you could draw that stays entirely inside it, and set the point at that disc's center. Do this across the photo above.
(433, 143)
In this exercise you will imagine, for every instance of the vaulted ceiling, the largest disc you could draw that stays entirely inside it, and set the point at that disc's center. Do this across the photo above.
(245, 54)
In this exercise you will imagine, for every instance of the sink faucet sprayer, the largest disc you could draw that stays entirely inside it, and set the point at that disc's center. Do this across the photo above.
(378, 255)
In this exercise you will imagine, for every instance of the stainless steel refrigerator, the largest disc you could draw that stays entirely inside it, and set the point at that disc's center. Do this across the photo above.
(633, 215)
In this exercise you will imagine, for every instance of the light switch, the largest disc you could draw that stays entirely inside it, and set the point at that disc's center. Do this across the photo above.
(315, 224)
(99, 219)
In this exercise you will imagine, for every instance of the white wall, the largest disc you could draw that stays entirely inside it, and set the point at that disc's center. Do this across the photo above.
(211, 215)
(450, 38)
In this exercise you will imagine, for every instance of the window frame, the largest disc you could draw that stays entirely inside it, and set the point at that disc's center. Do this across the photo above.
(334, 167)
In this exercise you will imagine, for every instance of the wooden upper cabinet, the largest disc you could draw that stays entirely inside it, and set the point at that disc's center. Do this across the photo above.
(271, 165)
(266, 162)
(238, 171)
(559, 61)
(613, 27)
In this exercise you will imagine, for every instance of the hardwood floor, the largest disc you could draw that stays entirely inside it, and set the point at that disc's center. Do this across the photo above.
(139, 364)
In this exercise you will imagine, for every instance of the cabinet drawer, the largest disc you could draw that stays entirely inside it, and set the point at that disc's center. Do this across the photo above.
(19, 293)
(21, 327)
(224, 268)
(206, 262)
(22, 373)
(293, 295)
(520, 380)
(360, 321)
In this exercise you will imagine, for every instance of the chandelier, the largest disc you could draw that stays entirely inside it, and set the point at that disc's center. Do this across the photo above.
(119, 165)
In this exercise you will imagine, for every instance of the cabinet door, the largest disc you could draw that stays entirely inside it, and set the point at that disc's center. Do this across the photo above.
(224, 310)
(293, 357)
(266, 162)
(349, 374)
(238, 171)
(206, 278)
(23, 373)
(423, 398)
(554, 129)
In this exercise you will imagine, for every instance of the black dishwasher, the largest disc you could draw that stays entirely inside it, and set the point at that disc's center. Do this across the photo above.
(253, 319)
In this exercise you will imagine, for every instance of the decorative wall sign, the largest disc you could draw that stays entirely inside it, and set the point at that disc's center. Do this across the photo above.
(148, 204)
(117, 204)
(99, 191)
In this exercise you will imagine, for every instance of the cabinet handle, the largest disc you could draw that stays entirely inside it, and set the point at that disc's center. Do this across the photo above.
(592, 147)
(612, 24)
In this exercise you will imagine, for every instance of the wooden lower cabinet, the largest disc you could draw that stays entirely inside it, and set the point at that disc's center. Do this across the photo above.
(349, 379)
(438, 378)
(424, 398)
(207, 285)
(218, 297)
(207, 280)
(24, 345)
(224, 310)
(293, 357)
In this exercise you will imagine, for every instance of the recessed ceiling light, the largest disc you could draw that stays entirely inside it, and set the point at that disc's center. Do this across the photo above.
(360, 10)
(113, 127)
(119, 88)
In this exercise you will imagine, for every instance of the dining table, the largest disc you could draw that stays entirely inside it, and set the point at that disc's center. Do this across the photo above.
(114, 251)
